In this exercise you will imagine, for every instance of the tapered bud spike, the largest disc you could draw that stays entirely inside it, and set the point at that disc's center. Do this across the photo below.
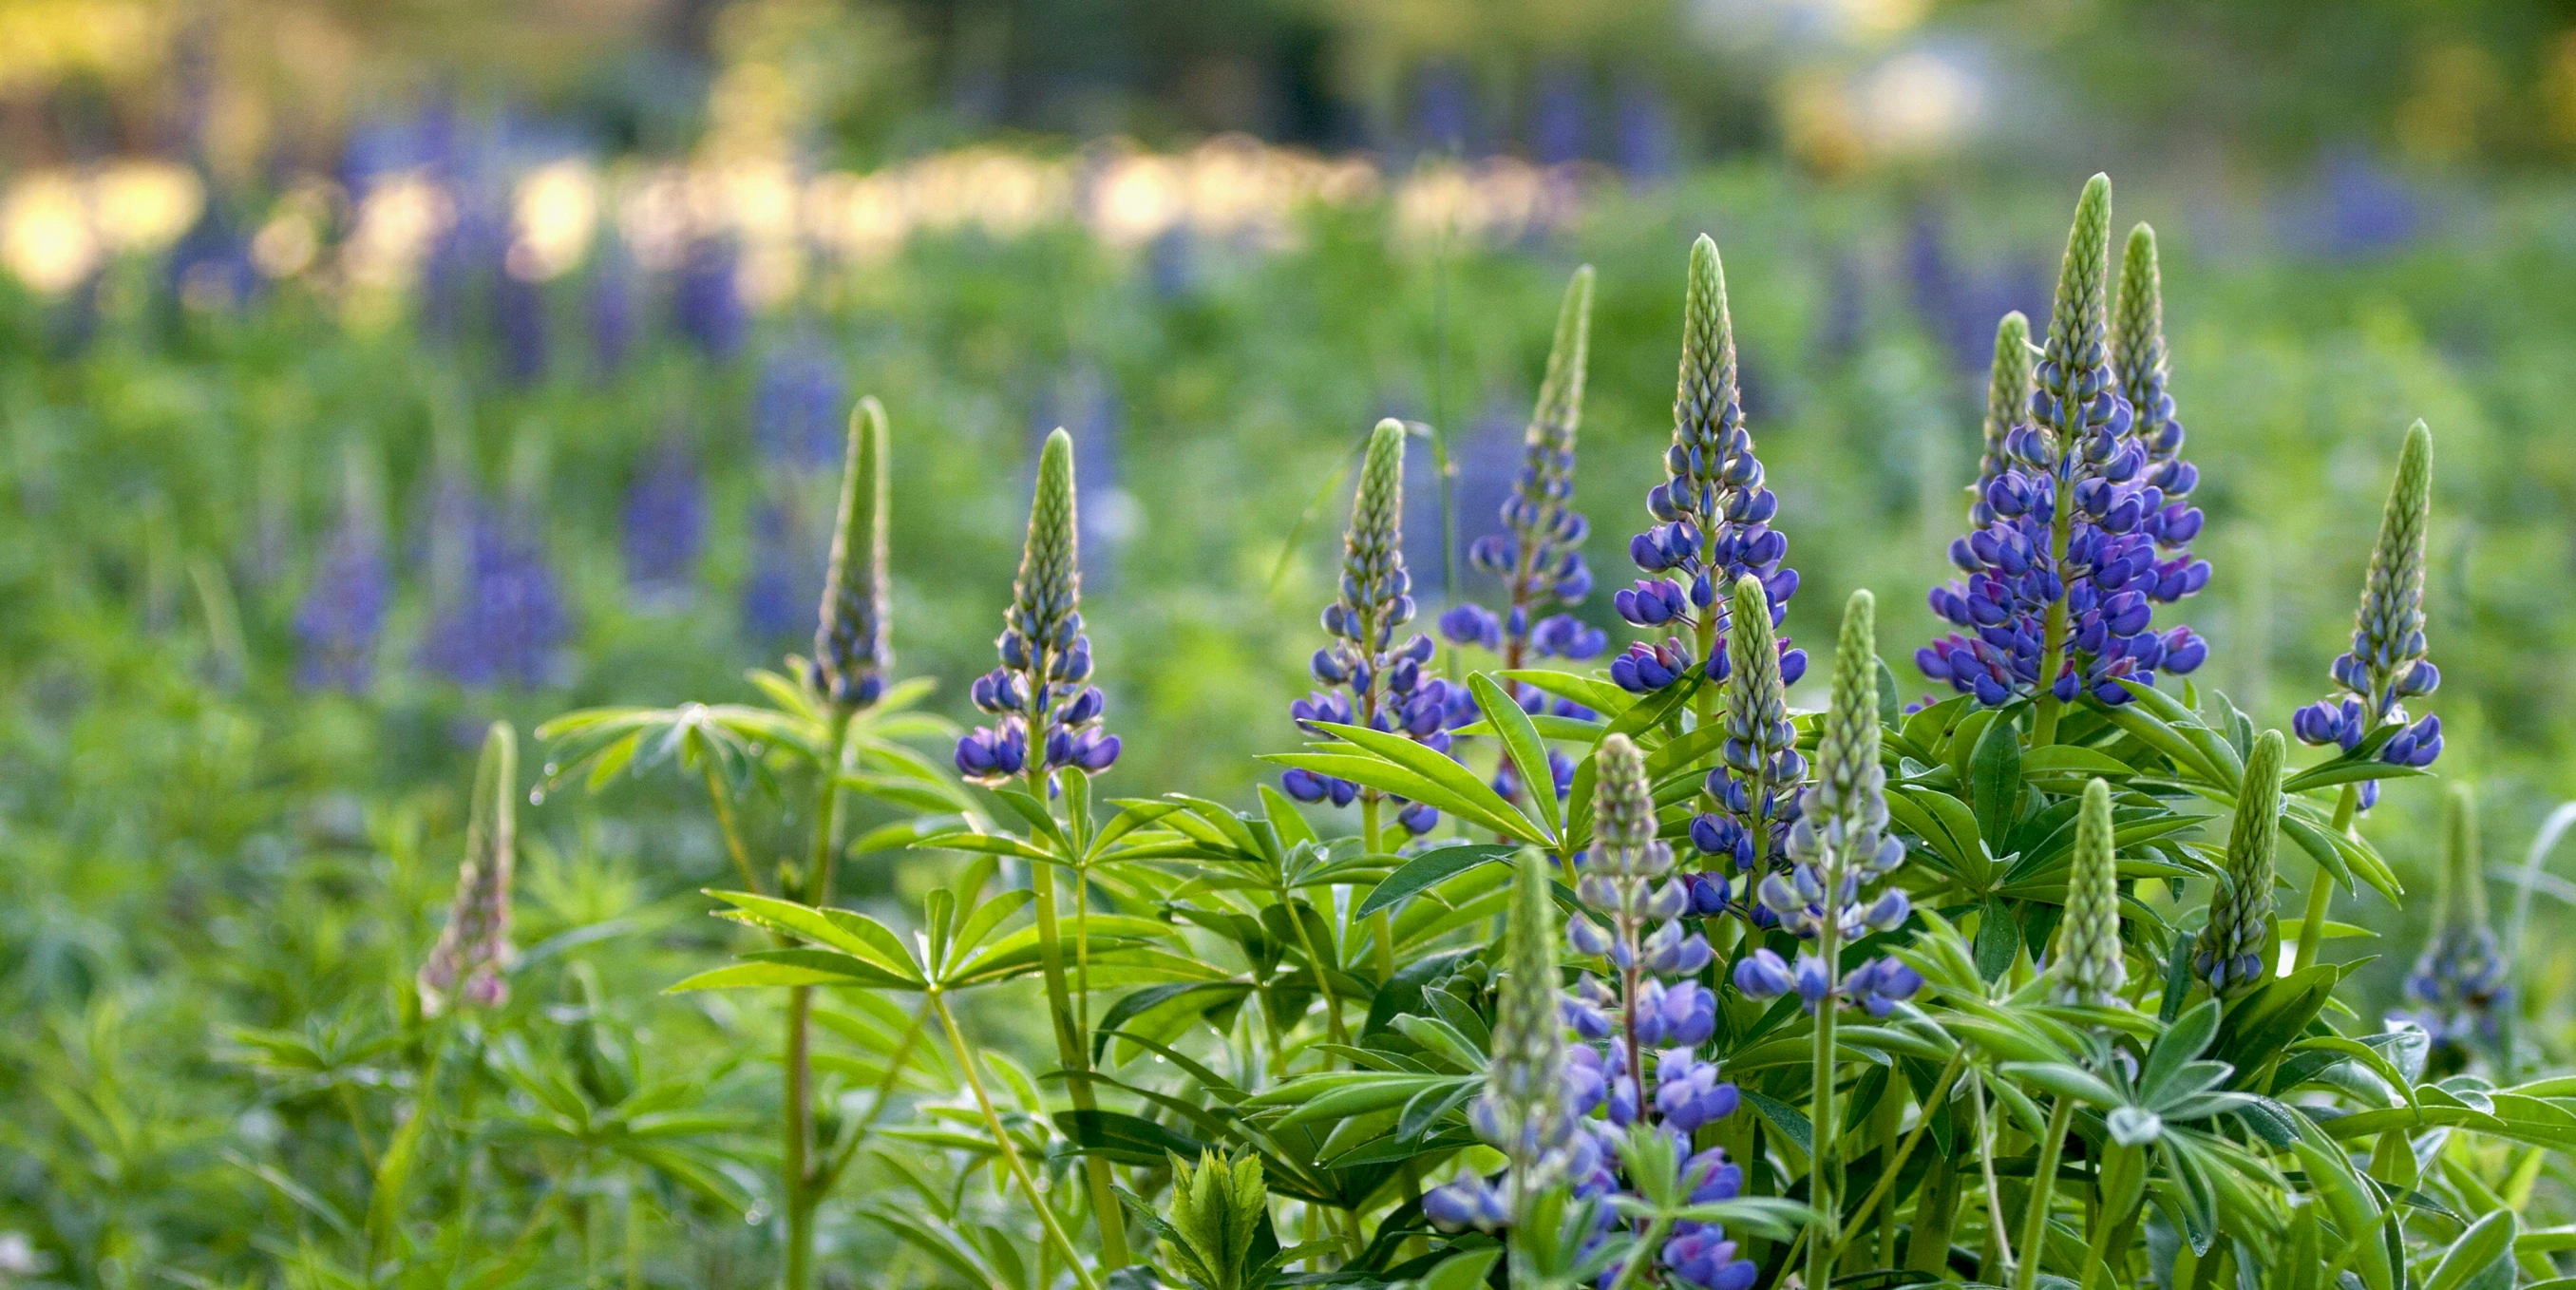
(1847, 750)
(2388, 631)
(2088, 960)
(2008, 386)
(2464, 888)
(1752, 651)
(1049, 589)
(1624, 799)
(2138, 329)
(2232, 952)
(1560, 395)
(474, 949)
(850, 650)
(1524, 1112)
(1706, 403)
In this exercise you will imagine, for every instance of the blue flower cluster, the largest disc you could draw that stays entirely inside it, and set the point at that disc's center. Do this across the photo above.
(343, 614)
(1366, 677)
(2387, 665)
(2084, 530)
(504, 620)
(1712, 513)
(663, 522)
(1042, 685)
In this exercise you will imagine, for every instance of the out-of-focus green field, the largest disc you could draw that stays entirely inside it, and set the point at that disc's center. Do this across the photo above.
(191, 841)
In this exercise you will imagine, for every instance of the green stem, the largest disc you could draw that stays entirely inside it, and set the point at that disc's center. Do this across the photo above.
(1010, 1153)
(1998, 1241)
(797, 1157)
(1323, 979)
(1381, 923)
(1821, 1183)
(1936, 1212)
(1887, 1176)
(2043, 1190)
(2312, 928)
(2117, 1214)
(1072, 1046)
(732, 834)
(2052, 644)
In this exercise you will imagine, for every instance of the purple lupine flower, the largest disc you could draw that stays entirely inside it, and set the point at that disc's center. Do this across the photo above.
(1560, 132)
(2387, 664)
(504, 620)
(343, 614)
(798, 404)
(786, 576)
(1048, 713)
(2077, 539)
(663, 523)
(1366, 677)
(2461, 983)
(1537, 555)
(612, 309)
(706, 299)
(474, 948)
(519, 318)
(1713, 515)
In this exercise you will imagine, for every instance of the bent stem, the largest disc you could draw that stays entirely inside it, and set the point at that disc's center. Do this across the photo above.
(1002, 1142)
(2312, 928)
(884, 1092)
(1995, 1234)
(2043, 1190)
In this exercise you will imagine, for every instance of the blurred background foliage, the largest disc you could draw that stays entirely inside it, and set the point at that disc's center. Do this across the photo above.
(368, 372)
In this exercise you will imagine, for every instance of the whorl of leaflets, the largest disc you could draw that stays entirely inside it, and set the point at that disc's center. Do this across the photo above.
(1538, 554)
(1042, 684)
(2459, 984)
(1367, 678)
(2231, 954)
(2087, 959)
(1712, 513)
(474, 950)
(850, 650)
(2088, 525)
(1839, 846)
(2387, 665)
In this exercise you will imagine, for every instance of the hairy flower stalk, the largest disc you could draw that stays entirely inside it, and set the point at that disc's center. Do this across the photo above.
(2090, 519)
(850, 651)
(1537, 555)
(1368, 679)
(2229, 956)
(1042, 686)
(2088, 961)
(2459, 983)
(466, 965)
(1712, 513)
(2386, 665)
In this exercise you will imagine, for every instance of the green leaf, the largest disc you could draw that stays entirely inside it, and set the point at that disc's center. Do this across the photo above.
(1522, 744)
(1788, 1120)
(1998, 937)
(1429, 869)
(1994, 782)
(1465, 1270)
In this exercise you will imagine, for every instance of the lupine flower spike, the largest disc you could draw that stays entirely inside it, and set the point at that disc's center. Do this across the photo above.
(1524, 1112)
(1049, 714)
(2086, 529)
(1367, 678)
(1840, 846)
(2387, 665)
(2231, 955)
(1713, 514)
(474, 950)
(850, 650)
(1659, 1008)
(1537, 555)
(2087, 959)
(1751, 794)
(2459, 983)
